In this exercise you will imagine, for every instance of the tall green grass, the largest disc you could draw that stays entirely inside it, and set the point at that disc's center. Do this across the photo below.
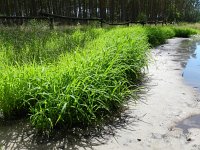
(27, 45)
(158, 35)
(184, 32)
(89, 78)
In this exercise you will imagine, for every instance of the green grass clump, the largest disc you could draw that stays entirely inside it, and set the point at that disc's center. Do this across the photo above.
(29, 45)
(97, 80)
(83, 86)
(184, 32)
(158, 35)
(81, 76)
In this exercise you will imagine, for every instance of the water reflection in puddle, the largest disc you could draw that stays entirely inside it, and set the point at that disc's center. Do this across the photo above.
(188, 123)
(191, 72)
(191, 75)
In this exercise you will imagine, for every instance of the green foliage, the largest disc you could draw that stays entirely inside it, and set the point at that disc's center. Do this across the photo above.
(142, 17)
(28, 45)
(84, 76)
(158, 35)
(184, 32)
(36, 25)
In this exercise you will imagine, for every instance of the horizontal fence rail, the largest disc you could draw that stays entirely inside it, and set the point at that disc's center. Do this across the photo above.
(69, 18)
(52, 17)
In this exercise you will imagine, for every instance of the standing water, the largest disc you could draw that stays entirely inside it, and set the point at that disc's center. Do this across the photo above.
(192, 70)
(191, 74)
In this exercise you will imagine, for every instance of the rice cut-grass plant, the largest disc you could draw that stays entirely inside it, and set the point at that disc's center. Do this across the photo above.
(158, 35)
(184, 32)
(27, 45)
(99, 80)
(89, 80)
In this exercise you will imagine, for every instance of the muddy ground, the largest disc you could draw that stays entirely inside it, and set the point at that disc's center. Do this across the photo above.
(154, 122)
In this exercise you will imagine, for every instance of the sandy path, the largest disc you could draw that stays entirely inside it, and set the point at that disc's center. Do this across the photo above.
(168, 101)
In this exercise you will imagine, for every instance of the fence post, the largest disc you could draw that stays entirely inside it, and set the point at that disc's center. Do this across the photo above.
(51, 23)
(143, 23)
(101, 23)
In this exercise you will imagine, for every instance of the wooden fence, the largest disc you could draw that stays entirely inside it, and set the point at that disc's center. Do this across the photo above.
(51, 17)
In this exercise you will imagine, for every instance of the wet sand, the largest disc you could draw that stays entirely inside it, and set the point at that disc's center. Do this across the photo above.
(168, 101)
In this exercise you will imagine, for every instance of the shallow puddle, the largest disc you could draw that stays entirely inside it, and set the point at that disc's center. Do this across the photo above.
(191, 72)
(189, 123)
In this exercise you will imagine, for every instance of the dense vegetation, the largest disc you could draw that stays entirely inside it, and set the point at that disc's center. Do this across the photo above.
(74, 76)
(109, 10)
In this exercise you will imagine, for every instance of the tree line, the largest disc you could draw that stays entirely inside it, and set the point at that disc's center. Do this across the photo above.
(109, 10)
